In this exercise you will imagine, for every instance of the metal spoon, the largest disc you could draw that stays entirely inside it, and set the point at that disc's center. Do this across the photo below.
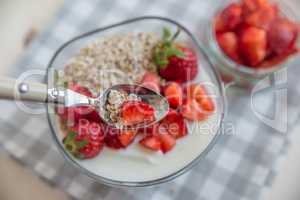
(38, 92)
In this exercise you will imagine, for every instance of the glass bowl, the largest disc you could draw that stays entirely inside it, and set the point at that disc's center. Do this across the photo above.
(243, 76)
(207, 73)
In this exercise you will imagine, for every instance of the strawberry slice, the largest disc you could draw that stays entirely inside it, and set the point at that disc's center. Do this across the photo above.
(229, 19)
(282, 35)
(112, 138)
(192, 110)
(250, 6)
(73, 114)
(168, 142)
(151, 81)
(174, 94)
(126, 137)
(174, 124)
(136, 112)
(262, 17)
(253, 45)
(151, 142)
(277, 59)
(229, 44)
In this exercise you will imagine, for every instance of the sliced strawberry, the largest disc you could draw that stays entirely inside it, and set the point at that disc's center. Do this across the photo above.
(73, 114)
(250, 6)
(192, 110)
(253, 45)
(174, 124)
(282, 35)
(168, 142)
(174, 94)
(85, 141)
(277, 59)
(126, 137)
(151, 142)
(262, 17)
(229, 44)
(229, 19)
(136, 112)
(112, 138)
(152, 81)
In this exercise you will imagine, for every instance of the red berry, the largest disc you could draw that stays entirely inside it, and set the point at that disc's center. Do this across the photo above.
(174, 124)
(278, 59)
(192, 110)
(250, 6)
(262, 17)
(126, 137)
(253, 45)
(136, 112)
(229, 18)
(151, 142)
(181, 69)
(112, 138)
(229, 44)
(152, 81)
(174, 94)
(168, 142)
(86, 141)
(282, 35)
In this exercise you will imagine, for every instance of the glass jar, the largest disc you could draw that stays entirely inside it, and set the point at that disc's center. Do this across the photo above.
(242, 76)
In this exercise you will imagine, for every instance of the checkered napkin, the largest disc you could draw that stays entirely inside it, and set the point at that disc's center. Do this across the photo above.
(237, 168)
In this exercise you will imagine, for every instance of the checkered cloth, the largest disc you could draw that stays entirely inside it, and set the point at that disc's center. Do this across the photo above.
(237, 168)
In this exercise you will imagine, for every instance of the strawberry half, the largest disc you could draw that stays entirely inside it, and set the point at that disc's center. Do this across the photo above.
(136, 112)
(168, 142)
(282, 35)
(151, 142)
(86, 141)
(192, 110)
(73, 114)
(253, 45)
(126, 137)
(151, 81)
(174, 124)
(229, 18)
(174, 94)
(175, 62)
(229, 44)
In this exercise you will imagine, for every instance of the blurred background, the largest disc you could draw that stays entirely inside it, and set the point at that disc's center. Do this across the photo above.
(22, 21)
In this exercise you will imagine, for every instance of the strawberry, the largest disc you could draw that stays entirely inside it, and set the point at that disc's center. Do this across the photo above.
(73, 114)
(174, 124)
(151, 81)
(229, 18)
(112, 138)
(277, 59)
(282, 35)
(136, 112)
(151, 142)
(86, 142)
(250, 6)
(175, 62)
(126, 137)
(262, 17)
(192, 110)
(168, 142)
(253, 45)
(174, 94)
(229, 44)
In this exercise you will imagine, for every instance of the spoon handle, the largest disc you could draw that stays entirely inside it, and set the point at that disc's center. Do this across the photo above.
(28, 91)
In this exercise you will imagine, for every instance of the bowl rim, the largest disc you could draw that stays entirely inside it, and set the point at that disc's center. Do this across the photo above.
(187, 167)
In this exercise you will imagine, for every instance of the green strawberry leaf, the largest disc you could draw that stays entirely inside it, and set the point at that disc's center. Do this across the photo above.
(166, 34)
(70, 137)
(81, 144)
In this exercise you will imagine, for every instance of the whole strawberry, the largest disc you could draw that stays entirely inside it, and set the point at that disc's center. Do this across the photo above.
(175, 62)
(85, 141)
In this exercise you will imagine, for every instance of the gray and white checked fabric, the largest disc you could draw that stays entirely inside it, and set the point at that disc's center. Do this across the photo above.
(237, 168)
